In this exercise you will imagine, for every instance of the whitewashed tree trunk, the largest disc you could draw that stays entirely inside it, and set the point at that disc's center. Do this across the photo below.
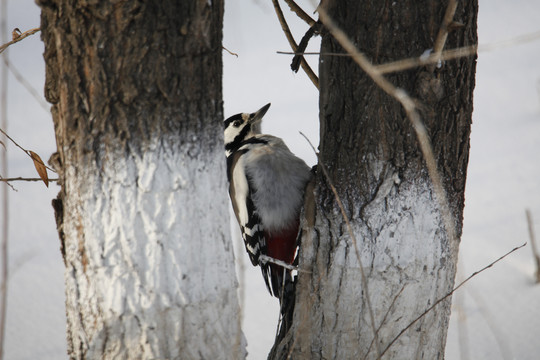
(408, 262)
(149, 269)
(370, 150)
(143, 209)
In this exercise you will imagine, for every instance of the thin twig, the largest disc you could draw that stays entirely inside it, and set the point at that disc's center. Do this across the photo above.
(27, 152)
(300, 12)
(533, 244)
(26, 84)
(312, 31)
(19, 38)
(404, 64)
(448, 295)
(285, 27)
(355, 244)
(311, 53)
(24, 179)
(384, 318)
(409, 63)
(12, 188)
(229, 51)
(432, 58)
(443, 31)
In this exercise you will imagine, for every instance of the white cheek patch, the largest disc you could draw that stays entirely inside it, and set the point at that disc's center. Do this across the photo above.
(230, 133)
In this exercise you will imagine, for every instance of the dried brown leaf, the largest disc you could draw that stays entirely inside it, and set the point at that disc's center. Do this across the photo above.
(40, 167)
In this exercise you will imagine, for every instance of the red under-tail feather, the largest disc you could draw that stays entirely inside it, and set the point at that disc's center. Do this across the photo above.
(282, 246)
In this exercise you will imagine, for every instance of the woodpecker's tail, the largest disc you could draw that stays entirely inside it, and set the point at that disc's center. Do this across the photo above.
(280, 284)
(278, 280)
(281, 281)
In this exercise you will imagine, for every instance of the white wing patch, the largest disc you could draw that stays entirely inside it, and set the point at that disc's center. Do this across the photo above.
(246, 213)
(241, 190)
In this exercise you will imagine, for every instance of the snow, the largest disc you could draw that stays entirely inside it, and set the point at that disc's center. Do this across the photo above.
(501, 318)
(425, 54)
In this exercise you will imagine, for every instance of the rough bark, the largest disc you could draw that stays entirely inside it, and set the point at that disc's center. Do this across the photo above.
(137, 110)
(371, 152)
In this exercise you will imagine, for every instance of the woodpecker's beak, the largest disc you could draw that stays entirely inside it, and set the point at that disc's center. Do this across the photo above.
(257, 116)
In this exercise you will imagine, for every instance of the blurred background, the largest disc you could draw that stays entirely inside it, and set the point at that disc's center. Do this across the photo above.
(495, 316)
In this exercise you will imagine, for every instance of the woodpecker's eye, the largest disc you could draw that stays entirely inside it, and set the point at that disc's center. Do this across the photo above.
(237, 123)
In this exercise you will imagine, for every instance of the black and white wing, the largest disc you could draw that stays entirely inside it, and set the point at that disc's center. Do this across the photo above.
(251, 227)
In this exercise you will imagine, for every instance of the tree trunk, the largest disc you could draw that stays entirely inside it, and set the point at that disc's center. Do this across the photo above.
(373, 158)
(142, 212)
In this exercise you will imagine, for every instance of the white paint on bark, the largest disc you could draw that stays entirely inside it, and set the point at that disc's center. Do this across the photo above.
(150, 269)
(402, 244)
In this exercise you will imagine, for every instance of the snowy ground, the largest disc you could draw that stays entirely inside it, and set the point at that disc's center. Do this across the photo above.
(496, 315)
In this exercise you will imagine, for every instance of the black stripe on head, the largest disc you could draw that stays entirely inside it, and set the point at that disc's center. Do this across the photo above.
(236, 145)
(231, 119)
(254, 140)
(239, 139)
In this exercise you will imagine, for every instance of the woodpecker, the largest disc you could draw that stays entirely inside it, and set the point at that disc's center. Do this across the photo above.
(266, 187)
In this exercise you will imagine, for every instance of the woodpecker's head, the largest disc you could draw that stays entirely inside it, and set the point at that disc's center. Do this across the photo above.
(241, 127)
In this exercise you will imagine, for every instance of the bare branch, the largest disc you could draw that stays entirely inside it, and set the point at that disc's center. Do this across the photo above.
(355, 243)
(443, 31)
(229, 51)
(312, 31)
(300, 12)
(311, 53)
(404, 64)
(8, 184)
(23, 179)
(409, 63)
(448, 295)
(22, 80)
(433, 58)
(27, 152)
(19, 38)
(384, 318)
(533, 244)
(285, 27)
